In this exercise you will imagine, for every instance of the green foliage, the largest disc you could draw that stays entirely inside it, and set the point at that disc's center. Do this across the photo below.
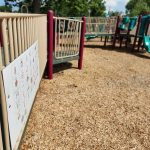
(140, 7)
(63, 7)
(114, 13)
(77, 8)
(5, 9)
(97, 7)
(66, 7)
(135, 7)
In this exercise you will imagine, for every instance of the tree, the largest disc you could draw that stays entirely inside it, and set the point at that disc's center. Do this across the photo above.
(75, 7)
(33, 5)
(139, 8)
(97, 7)
(135, 7)
(72, 8)
(114, 13)
(5, 9)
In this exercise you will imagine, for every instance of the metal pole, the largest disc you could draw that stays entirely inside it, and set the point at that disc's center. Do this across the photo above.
(137, 31)
(80, 61)
(50, 44)
(116, 32)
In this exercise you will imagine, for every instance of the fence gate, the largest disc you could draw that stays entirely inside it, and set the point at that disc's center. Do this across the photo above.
(67, 34)
(65, 40)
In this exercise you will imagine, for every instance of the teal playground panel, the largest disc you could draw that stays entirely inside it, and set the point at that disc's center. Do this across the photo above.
(125, 29)
(143, 33)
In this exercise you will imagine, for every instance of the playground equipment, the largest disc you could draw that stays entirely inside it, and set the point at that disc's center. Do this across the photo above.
(146, 42)
(132, 23)
(122, 29)
(65, 41)
(100, 27)
(135, 28)
(142, 32)
(124, 22)
(125, 29)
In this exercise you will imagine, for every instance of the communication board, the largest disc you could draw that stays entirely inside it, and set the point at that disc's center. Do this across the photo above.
(21, 81)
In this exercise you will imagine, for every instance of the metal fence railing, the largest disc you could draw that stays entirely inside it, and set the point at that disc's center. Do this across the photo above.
(67, 37)
(65, 40)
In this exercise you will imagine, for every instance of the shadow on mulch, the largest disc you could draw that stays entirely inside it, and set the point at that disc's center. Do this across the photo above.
(59, 68)
(63, 66)
(120, 50)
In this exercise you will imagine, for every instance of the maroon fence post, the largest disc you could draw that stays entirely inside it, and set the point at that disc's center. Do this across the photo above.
(116, 31)
(50, 31)
(137, 31)
(83, 29)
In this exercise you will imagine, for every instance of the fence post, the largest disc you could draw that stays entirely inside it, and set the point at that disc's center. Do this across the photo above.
(50, 43)
(80, 61)
(116, 32)
(137, 31)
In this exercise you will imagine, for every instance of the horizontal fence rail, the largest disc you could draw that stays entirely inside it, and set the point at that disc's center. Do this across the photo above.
(66, 37)
(18, 32)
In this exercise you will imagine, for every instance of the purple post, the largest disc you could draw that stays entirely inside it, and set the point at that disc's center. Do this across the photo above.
(116, 31)
(50, 30)
(80, 61)
(137, 31)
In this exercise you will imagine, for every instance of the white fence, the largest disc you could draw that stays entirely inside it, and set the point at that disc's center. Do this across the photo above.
(18, 32)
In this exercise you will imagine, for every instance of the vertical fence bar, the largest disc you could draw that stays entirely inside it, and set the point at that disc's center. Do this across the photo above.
(80, 61)
(11, 44)
(19, 35)
(1, 143)
(27, 29)
(50, 44)
(22, 35)
(15, 38)
(5, 41)
(116, 31)
(25, 33)
(4, 108)
(1, 140)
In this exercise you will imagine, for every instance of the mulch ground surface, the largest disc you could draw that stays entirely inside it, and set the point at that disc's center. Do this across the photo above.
(106, 106)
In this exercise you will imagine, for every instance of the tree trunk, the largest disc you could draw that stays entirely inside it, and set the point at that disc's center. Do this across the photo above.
(36, 4)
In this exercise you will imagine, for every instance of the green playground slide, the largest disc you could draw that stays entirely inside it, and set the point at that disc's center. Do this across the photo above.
(144, 21)
(89, 37)
(146, 42)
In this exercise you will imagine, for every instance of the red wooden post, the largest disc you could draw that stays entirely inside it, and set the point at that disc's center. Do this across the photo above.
(50, 43)
(128, 37)
(116, 31)
(137, 31)
(83, 29)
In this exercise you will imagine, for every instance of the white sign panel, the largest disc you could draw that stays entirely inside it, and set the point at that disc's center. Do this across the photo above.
(21, 82)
